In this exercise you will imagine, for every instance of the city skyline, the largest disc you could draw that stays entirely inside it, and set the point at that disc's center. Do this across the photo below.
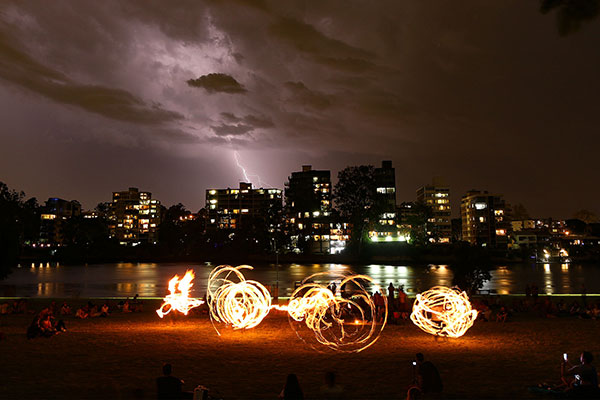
(102, 97)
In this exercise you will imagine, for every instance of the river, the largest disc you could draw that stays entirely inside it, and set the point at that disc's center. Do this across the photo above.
(150, 279)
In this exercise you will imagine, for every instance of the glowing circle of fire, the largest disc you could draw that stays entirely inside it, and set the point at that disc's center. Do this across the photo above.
(235, 301)
(346, 324)
(443, 311)
(178, 297)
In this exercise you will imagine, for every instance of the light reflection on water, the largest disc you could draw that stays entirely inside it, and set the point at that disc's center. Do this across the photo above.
(150, 279)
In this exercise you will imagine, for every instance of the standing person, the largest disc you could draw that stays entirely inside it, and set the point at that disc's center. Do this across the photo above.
(292, 390)
(391, 290)
(428, 377)
(402, 306)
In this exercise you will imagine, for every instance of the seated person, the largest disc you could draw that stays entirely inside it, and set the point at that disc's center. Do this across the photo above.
(94, 312)
(502, 314)
(82, 313)
(104, 310)
(428, 377)
(34, 329)
(65, 309)
(580, 375)
(46, 327)
(170, 387)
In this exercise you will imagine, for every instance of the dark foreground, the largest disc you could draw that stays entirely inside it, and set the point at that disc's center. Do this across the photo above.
(120, 356)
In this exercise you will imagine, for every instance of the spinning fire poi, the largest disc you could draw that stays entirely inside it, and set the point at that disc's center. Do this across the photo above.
(443, 311)
(235, 301)
(346, 324)
(178, 297)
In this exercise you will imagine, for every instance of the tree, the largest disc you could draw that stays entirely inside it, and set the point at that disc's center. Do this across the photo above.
(355, 197)
(571, 14)
(419, 225)
(471, 268)
(19, 224)
(586, 216)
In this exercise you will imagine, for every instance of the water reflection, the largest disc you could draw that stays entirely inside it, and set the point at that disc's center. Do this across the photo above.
(150, 279)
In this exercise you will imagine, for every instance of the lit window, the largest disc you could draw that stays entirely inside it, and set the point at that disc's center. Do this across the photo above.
(480, 206)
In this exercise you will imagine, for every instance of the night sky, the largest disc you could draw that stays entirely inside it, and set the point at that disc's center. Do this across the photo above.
(97, 96)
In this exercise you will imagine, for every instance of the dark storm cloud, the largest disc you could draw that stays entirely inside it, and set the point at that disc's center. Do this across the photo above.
(253, 120)
(307, 39)
(232, 130)
(302, 95)
(217, 82)
(20, 69)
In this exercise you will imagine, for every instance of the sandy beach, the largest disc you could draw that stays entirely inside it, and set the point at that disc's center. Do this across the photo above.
(120, 356)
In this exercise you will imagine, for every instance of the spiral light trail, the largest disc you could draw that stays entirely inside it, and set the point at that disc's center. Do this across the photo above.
(235, 301)
(346, 324)
(178, 297)
(443, 311)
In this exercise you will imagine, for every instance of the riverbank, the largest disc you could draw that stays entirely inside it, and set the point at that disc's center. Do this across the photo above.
(120, 356)
(379, 253)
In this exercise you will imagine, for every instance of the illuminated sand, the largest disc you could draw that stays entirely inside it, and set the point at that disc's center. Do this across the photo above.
(111, 358)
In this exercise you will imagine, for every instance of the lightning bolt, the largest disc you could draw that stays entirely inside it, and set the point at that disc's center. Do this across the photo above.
(247, 176)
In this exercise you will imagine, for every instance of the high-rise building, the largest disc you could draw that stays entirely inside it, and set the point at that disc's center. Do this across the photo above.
(484, 219)
(134, 217)
(308, 208)
(437, 197)
(54, 214)
(243, 208)
(386, 228)
(385, 180)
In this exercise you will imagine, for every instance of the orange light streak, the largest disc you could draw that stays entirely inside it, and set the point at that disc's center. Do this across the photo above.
(341, 324)
(237, 302)
(178, 297)
(443, 311)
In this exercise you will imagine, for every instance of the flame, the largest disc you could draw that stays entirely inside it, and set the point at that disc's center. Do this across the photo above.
(443, 311)
(178, 297)
(341, 324)
(237, 302)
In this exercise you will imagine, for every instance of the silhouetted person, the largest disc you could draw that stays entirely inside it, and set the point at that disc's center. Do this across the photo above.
(168, 386)
(428, 377)
(291, 390)
(391, 290)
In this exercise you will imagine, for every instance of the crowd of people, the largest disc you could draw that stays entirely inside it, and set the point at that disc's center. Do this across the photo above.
(499, 308)
(50, 320)
(19, 306)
